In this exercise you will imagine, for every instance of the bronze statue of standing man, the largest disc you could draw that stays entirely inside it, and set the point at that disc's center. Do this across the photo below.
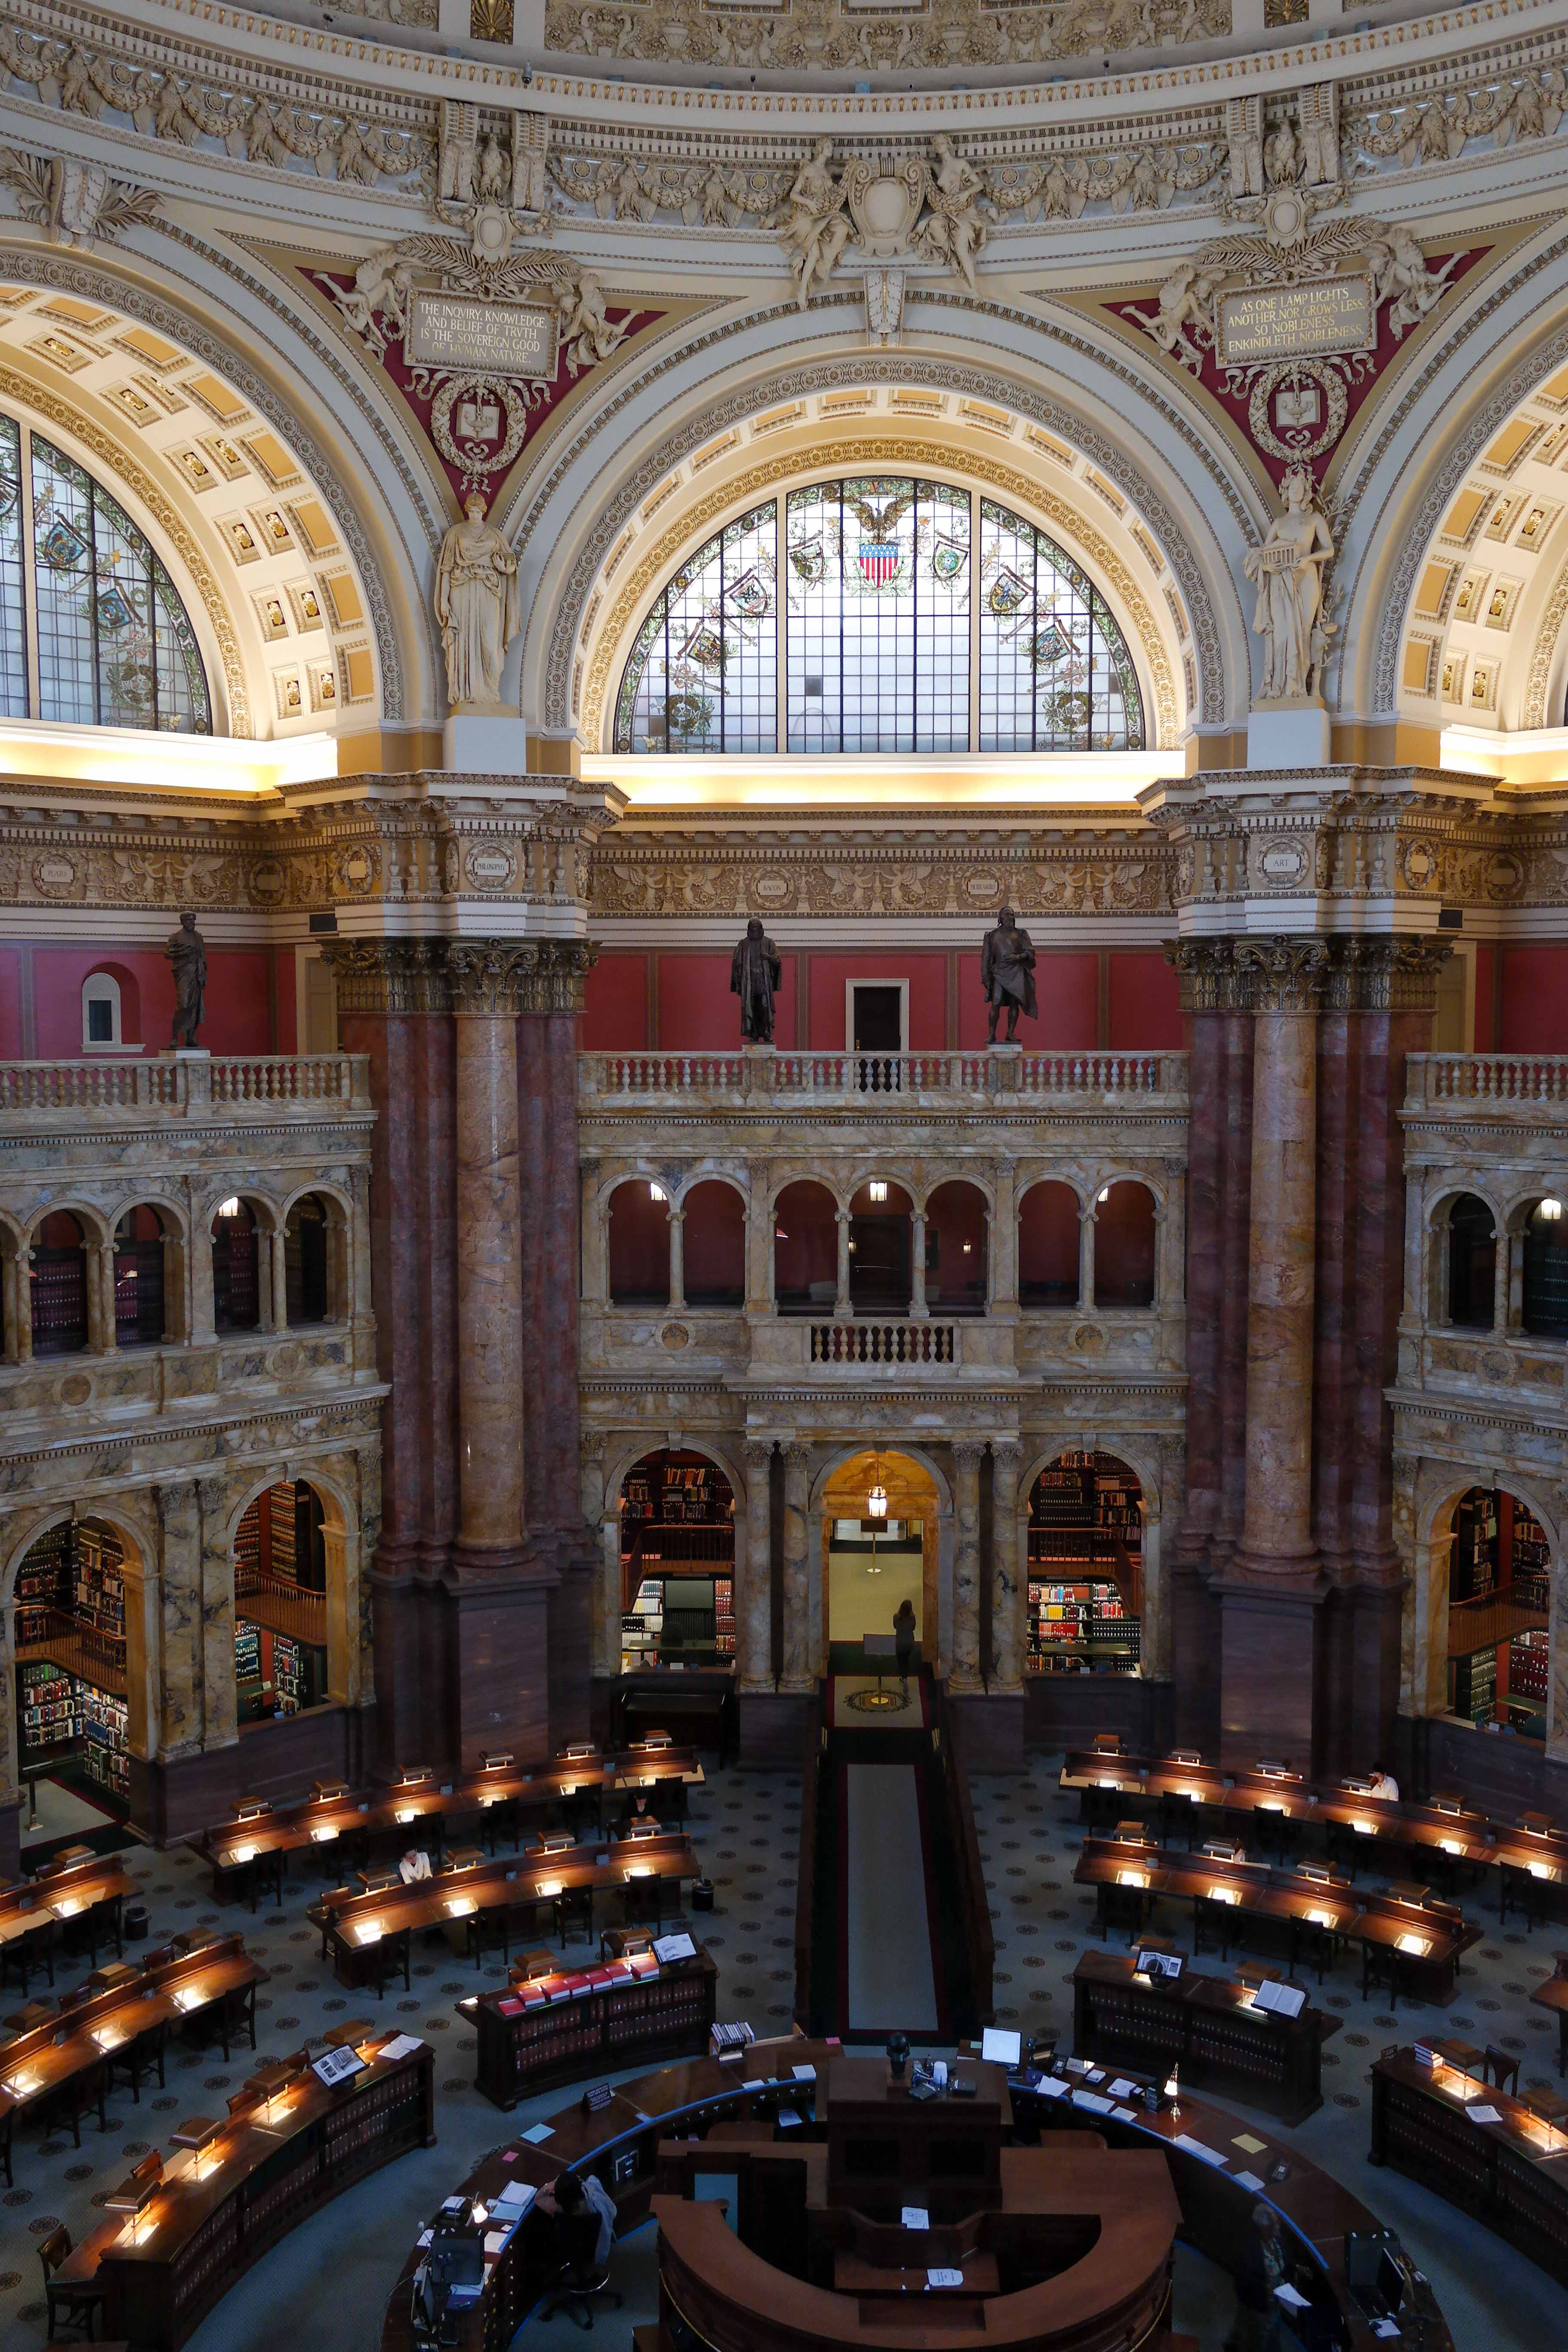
(1007, 973)
(187, 951)
(754, 971)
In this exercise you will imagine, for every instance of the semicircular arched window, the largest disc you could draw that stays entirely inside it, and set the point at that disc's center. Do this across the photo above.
(918, 617)
(92, 630)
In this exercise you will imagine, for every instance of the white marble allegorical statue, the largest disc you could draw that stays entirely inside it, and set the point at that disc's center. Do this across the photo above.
(477, 607)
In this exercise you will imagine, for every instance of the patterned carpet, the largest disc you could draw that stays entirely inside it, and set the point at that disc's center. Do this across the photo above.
(325, 2288)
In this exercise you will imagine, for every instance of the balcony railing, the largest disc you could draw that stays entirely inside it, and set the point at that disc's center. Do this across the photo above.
(883, 1343)
(844, 1079)
(46, 1632)
(269, 1084)
(1528, 1081)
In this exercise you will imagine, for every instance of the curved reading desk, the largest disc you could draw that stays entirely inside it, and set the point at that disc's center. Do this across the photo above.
(1182, 2169)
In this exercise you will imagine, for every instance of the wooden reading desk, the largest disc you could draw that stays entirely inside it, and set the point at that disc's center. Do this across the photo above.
(1554, 1995)
(189, 2226)
(418, 1805)
(551, 2025)
(85, 1898)
(1405, 1932)
(1502, 2159)
(353, 1925)
(1208, 2027)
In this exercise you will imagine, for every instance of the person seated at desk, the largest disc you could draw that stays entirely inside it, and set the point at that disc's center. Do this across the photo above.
(637, 1811)
(568, 2197)
(413, 1866)
(1384, 1784)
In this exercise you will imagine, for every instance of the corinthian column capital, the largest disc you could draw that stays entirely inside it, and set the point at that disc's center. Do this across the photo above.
(1288, 973)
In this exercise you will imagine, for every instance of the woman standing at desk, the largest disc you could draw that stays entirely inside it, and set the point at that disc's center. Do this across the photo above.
(904, 1639)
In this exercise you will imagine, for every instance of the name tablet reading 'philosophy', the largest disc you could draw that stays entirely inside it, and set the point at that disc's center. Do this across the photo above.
(1283, 322)
(506, 338)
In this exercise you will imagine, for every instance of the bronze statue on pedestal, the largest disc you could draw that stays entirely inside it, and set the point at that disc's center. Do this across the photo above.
(755, 970)
(187, 951)
(1007, 973)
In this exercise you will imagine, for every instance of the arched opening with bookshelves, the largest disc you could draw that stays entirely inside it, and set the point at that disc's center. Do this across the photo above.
(74, 1688)
(678, 1563)
(1499, 1613)
(1085, 1567)
(1469, 1304)
(312, 1257)
(283, 1554)
(237, 1295)
(144, 1262)
(61, 1304)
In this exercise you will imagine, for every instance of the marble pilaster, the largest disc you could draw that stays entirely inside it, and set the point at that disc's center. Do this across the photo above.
(841, 1304)
(1009, 1568)
(754, 1616)
(965, 1673)
(797, 1673)
(917, 1264)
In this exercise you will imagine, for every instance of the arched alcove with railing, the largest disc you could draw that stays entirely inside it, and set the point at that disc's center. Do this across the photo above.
(638, 1217)
(714, 1244)
(1125, 1244)
(806, 1249)
(1050, 1249)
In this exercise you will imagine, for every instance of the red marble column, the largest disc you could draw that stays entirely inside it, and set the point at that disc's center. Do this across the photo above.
(391, 998)
(547, 1101)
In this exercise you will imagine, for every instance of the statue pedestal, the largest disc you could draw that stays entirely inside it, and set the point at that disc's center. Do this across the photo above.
(1287, 734)
(484, 743)
(185, 1054)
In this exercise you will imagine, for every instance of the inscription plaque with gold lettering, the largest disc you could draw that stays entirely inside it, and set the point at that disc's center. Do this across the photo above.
(500, 339)
(1260, 323)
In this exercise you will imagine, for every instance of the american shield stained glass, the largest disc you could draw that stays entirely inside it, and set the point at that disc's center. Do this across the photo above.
(918, 618)
(115, 645)
(703, 674)
(876, 588)
(1055, 671)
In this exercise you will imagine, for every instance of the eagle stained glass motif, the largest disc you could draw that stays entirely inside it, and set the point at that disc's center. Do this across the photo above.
(892, 641)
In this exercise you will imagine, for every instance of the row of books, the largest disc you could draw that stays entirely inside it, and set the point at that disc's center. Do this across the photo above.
(575, 1984)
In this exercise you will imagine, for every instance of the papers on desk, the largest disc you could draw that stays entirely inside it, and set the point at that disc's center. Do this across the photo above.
(1248, 2145)
(1125, 2115)
(399, 2047)
(674, 1947)
(1196, 2148)
(915, 2217)
(1484, 2115)
(1292, 2299)
(1122, 2089)
(1385, 2327)
(513, 2202)
(1250, 2181)
(804, 2073)
(945, 2277)
(538, 2132)
(1092, 2100)
(1051, 2087)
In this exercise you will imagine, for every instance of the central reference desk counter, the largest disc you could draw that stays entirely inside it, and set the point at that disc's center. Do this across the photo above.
(1210, 2028)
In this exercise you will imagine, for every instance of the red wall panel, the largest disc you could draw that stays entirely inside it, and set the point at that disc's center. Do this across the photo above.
(11, 1004)
(1534, 998)
(614, 1008)
(1067, 986)
(1146, 1003)
(927, 976)
(286, 1037)
(237, 1018)
(697, 1009)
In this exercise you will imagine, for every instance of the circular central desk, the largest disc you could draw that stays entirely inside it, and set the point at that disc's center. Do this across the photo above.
(654, 2133)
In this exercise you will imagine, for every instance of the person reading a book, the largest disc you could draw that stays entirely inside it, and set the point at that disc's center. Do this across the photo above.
(413, 1866)
(635, 1811)
(1384, 1784)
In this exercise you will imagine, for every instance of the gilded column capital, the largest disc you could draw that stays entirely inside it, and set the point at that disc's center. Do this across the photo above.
(509, 976)
(388, 975)
(1396, 974)
(1210, 977)
(1288, 973)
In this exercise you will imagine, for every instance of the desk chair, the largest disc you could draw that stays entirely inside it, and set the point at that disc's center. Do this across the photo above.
(385, 1957)
(574, 1909)
(1500, 2071)
(644, 1900)
(139, 2050)
(31, 1953)
(579, 2280)
(1380, 1965)
(261, 1870)
(497, 1925)
(1321, 1945)
(73, 2304)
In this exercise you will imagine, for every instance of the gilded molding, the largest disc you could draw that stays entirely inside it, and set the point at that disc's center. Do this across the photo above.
(1210, 978)
(1397, 974)
(497, 976)
(884, 453)
(388, 976)
(1288, 973)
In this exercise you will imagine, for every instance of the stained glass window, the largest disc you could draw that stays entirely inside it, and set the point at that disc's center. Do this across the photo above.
(13, 614)
(889, 643)
(115, 646)
(878, 588)
(1055, 671)
(703, 674)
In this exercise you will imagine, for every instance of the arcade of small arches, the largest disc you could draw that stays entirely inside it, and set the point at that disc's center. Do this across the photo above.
(1499, 1266)
(80, 1626)
(876, 1247)
(84, 1279)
